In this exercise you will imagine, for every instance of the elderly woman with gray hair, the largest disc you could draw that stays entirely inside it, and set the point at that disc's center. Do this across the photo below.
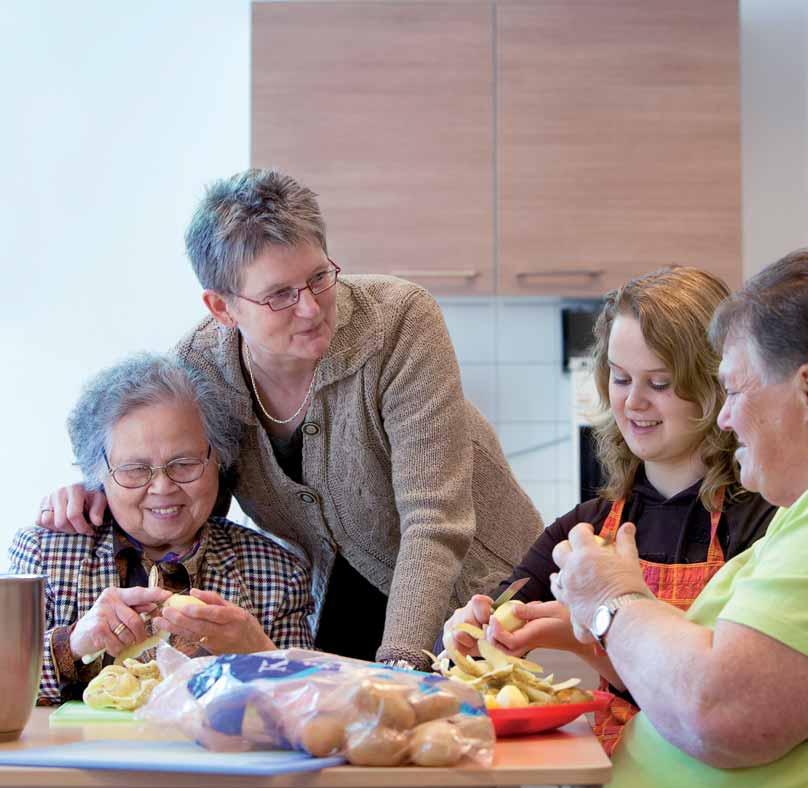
(722, 687)
(358, 445)
(150, 432)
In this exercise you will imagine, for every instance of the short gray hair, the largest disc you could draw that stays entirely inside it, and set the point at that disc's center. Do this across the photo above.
(772, 310)
(241, 216)
(145, 379)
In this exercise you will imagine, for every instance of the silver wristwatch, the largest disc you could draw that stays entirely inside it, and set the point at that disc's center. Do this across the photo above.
(604, 615)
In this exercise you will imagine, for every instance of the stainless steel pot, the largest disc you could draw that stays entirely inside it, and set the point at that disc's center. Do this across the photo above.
(22, 628)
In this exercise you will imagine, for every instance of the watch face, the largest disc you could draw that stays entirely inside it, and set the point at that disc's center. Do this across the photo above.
(601, 621)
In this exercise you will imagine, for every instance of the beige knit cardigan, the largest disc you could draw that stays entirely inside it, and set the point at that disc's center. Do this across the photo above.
(402, 476)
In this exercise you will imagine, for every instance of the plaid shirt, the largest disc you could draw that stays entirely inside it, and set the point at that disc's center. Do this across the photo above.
(242, 566)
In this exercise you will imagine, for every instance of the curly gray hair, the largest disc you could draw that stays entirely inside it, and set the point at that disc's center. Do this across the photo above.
(241, 216)
(144, 379)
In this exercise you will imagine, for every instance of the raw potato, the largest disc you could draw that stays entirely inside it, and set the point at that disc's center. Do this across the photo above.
(435, 743)
(505, 615)
(386, 704)
(323, 734)
(477, 727)
(376, 745)
(435, 705)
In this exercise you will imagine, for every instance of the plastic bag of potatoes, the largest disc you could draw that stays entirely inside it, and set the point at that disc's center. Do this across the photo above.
(371, 714)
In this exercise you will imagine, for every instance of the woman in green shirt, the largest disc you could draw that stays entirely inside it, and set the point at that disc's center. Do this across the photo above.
(722, 687)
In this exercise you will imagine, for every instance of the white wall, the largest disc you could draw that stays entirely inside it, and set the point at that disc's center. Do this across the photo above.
(774, 109)
(114, 117)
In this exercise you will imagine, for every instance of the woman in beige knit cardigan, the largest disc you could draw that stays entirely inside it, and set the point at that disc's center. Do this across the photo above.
(358, 447)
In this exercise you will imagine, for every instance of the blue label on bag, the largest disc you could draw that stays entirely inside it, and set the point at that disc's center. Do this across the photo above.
(249, 667)
(429, 684)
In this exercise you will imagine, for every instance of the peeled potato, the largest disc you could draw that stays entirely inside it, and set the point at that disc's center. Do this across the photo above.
(179, 601)
(505, 615)
(511, 697)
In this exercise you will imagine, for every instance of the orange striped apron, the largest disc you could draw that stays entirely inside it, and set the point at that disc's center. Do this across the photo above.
(676, 584)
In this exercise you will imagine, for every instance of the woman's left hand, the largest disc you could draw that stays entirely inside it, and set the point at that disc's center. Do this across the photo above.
(591, 574)
(220, 626)
(547, 625)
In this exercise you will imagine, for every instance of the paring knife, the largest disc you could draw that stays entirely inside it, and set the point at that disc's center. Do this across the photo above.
(172, 576)
(510, 592)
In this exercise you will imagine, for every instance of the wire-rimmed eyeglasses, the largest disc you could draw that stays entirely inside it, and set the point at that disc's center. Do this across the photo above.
(289, 296)
(182, 470)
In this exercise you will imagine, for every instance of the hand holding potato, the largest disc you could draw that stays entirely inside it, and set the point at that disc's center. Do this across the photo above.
(223, 627)
(477, 612)
(544, 625)
(591, 575)
(113, 622)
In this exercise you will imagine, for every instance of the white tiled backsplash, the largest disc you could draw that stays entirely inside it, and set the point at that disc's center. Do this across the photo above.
(510, 360)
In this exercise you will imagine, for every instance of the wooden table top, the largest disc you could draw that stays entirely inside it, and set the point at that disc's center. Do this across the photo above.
(568, 756)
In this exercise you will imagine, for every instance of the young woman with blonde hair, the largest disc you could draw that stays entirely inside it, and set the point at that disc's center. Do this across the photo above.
(669, 469)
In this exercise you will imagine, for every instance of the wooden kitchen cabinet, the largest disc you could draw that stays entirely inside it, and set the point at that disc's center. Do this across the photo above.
(520, 147)
(386, 111)
(618, 143)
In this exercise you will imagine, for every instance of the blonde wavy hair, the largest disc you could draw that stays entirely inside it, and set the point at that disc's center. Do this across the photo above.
(674, 306)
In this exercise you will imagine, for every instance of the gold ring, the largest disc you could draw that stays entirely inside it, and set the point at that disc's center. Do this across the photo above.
(120, 628)
(46, 509)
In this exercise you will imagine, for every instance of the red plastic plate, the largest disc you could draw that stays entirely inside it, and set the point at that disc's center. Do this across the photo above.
(534, 719)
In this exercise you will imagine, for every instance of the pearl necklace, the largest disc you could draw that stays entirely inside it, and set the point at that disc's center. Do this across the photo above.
(248, 358)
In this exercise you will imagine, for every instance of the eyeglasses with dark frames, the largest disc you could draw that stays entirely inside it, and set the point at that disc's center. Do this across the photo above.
(182, 470)
(289, 296)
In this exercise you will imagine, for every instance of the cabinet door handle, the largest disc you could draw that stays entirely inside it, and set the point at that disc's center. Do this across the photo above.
(435, 273)
(588, 273)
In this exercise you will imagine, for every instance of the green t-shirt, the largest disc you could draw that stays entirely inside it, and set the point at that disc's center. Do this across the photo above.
(765, 588)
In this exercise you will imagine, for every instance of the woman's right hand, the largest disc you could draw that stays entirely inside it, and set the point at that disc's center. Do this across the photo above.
(547, 625)
(477, 611)
(67, 510)
(113, 622)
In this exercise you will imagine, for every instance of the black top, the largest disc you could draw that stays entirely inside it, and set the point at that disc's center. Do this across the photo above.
(353, 613)
(669, 531)
(289, 454)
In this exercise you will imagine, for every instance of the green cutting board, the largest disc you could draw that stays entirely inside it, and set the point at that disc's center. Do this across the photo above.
(74, 712)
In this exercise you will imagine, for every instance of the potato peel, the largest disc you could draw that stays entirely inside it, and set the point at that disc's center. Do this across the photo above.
(470, 629)
(500, 677)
